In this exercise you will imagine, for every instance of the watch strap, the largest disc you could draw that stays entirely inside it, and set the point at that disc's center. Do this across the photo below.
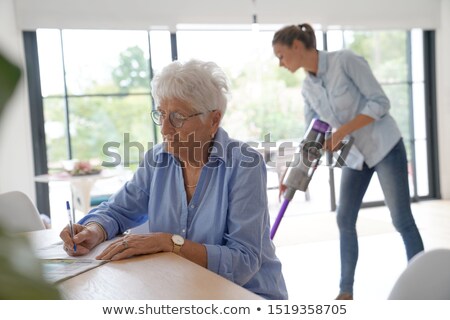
(176, 248)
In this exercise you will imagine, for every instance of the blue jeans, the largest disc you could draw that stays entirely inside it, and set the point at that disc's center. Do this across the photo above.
(393, 176)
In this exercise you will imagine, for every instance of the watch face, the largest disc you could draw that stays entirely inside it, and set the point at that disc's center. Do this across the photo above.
(177, 239)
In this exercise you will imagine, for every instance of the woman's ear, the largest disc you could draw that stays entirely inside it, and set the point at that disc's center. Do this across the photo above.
(216, 117)
(297, 44)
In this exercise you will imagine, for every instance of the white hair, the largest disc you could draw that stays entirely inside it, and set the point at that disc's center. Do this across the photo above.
(203, 85)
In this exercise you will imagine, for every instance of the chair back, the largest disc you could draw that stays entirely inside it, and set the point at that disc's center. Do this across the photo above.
(18, 213)
(427, 277)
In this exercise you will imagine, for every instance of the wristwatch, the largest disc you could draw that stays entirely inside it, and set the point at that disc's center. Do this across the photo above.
(178, 242)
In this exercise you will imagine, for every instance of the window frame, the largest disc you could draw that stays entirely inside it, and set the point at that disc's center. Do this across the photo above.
(37, 119)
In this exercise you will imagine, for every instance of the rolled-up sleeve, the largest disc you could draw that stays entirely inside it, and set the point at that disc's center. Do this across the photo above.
(356, 67)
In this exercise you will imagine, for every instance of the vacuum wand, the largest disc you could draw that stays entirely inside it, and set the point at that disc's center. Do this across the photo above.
(279, 217)
(301, 171)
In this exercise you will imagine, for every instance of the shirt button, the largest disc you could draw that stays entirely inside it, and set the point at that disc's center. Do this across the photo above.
(192, 206)
(184, 230)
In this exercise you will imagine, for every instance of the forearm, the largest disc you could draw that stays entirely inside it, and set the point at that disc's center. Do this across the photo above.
(358, 122)
(361, 120)
(141, 244)
(194, 252)
(190, 250)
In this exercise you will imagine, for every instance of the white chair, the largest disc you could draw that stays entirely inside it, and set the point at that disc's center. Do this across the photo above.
(427, 277)
(18, 213)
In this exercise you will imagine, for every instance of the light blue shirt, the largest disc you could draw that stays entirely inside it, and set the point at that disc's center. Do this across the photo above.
(228, 212)
(343, 88)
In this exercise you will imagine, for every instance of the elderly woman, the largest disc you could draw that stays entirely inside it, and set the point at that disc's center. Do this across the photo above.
(202, 193)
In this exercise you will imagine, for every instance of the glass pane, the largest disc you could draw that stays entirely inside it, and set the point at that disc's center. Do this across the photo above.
(385, 51)
(265, 99)
(106, 61)
(398, 95)
(160, 48)
(420, 131)
(161, 56)
(116, 130)
(319, 40)
(335, 40)
(422, 167)
(50, 62)
(55, 131)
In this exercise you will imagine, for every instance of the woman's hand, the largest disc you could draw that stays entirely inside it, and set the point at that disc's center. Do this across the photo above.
(282, 188)
(137, 244)
(85, 237)
(334, 142)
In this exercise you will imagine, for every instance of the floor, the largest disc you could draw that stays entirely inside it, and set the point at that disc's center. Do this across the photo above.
(308, 247)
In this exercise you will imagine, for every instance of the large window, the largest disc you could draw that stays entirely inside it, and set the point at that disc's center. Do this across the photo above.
(96, 90)
(96, 93)
(265, 98)
(396, 58)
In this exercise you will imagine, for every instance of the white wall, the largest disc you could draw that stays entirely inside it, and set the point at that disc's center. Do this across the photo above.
(16, 169)
(16, 154)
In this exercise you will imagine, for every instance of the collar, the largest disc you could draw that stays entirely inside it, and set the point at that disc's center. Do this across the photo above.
(221, 146)
(321, 65)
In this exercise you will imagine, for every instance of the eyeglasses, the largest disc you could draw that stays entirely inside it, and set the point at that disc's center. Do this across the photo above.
(176, 119)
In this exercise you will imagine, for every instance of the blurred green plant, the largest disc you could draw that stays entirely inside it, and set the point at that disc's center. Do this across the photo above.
(20, 272)
(9, 76)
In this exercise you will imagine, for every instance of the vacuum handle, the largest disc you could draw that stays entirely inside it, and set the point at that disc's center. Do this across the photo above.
(342, 154)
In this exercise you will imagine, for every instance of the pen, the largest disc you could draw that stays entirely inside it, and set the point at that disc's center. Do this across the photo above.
(71, 225)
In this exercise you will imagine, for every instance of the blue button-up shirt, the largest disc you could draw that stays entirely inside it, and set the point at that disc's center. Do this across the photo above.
(343, 88)
(228, 212)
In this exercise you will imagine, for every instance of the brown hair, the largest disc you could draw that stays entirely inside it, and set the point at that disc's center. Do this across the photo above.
(302, 32)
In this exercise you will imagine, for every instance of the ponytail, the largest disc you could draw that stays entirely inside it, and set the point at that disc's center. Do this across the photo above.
(302, 32)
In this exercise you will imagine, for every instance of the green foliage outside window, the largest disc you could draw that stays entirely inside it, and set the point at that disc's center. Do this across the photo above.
(133, 70)
(271, 106)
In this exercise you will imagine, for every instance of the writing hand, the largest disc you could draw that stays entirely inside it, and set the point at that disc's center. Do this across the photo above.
(85, 238)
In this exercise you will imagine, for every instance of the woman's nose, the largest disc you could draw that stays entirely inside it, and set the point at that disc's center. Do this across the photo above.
(166, 126)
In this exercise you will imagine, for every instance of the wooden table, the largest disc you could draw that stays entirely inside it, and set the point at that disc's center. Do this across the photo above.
(164, 276)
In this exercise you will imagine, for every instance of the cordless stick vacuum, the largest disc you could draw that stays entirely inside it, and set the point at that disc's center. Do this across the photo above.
(308, 155)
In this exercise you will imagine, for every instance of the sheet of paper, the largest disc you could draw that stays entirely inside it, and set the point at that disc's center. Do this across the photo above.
(59, 266)
(56, 251)
(56, 270)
